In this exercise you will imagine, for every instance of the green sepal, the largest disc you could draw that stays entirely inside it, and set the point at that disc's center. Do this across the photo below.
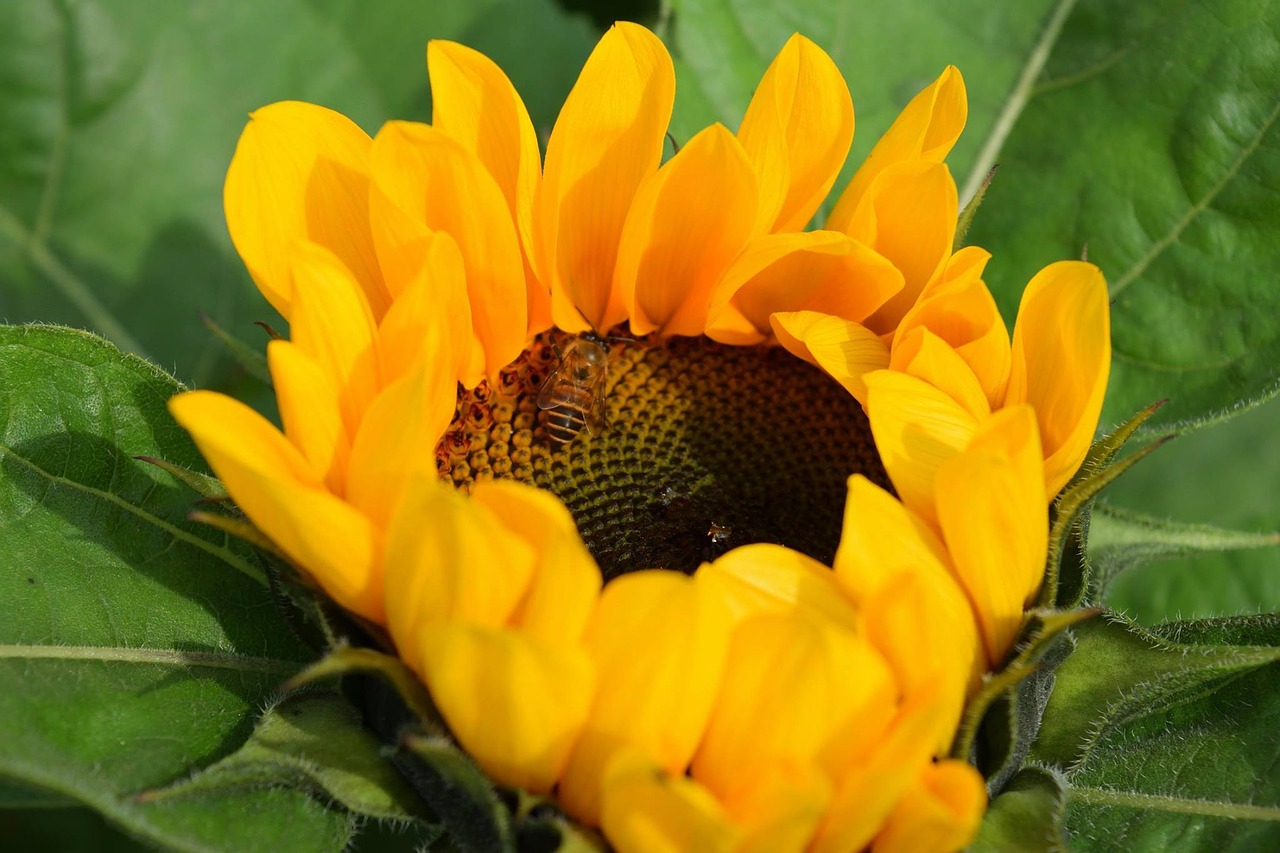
(1122, 539)
(967, 215)
(240, 528)
(252, 360)
(452, 784)
(349, 660)
(1026, 816)
(1067, 575)
(207, 486)
(315, 742)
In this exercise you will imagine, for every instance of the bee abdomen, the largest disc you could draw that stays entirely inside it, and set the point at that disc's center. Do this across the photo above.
(565, 420)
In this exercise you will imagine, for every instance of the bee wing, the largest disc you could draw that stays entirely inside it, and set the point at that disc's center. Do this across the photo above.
(596, 420)
(547, 395)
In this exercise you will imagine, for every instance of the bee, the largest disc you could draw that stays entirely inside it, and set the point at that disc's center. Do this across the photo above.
(573, 395)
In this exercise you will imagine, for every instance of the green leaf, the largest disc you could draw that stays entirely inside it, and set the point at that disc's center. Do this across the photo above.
(1168, 745)
(1151, 137)
(144, 646)
(888, 50)
(1224, 476)
(312, 742)
(119, 120)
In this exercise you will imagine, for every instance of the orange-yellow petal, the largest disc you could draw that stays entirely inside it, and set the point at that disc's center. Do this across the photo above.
(474, 102)
(924, 355)
(449, 560)
(426, 174)
(1061, 361)
(659, 640)
(301, 172)
(797, 131)
(797, 690)
(647, 810)
(846, 350)
(431, 318)
(309, 411)
(810, 270)
(780, 808)
(397, 438)
(515, 703)
(333, 324)
(916, 428)
(768, 578)
(993, 518)
(959, 309)
(606, 142)
(925, 130)
(908, 215)
(566, 581)
(687, 224)
(941, 812)
(282, 495)
(896, 571)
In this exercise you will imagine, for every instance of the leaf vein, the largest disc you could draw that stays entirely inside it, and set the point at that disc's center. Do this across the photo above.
(157, 657)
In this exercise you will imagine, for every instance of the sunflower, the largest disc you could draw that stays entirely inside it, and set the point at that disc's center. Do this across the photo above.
(743, 609)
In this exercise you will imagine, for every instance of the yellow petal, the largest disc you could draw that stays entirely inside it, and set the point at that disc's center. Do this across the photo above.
(872, 787)
(646, 810)
(687, 224)
(788, 697)
(431, 318)
(301, 172)
(449, 560)
(924, 355)
(767, 578)
(912, 608)
(282, 495)
(473, 102)
(959, 309)
(925, 130)
(846, 350)
(332, 323)
(429, 176)
(396, 442)
(940, 812)
(309, 410)
(1061, 361)
(780, 808)
(812, 270)
(908, 215)
(993, 518)
(607, 140)
(797, 131)
(659, 640)
(515, 703)
(566, 581)
(916, 428)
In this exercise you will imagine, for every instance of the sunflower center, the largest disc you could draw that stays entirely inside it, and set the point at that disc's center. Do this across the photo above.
(705, 447)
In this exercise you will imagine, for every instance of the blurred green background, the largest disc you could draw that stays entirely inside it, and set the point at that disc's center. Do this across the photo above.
(1146, 132)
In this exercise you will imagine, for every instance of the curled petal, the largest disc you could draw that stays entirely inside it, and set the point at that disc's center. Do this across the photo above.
(908, 215)
(428, 176)
(449, 560)
(301, 172)
(473, 101)
(767, 578)
(282, 494)
(941, 811)
(925, 130)
(658, 640)
(926, 356)
(431, 318)
(514, 702)
(990, 508)
(606, 142)
(1061, 361)
(797, 131)
(687, 224)
(959, 309)
(846, 350)
(309, 410)
(788, 699)
(647, 810)
(807, 271)
(916, 428)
